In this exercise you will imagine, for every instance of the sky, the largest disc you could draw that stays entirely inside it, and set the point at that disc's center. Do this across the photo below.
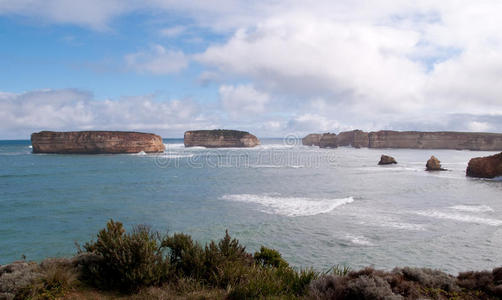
(274, 68)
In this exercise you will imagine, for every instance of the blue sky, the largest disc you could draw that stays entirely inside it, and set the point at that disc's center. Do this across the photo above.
(274, 68)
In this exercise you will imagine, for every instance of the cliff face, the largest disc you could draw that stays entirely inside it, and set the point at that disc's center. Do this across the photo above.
(328, 140)
(354, 138)
(220, 138)
(414, 140)
(436, 140)
(95, 142)
(312, 139)
(485, 167)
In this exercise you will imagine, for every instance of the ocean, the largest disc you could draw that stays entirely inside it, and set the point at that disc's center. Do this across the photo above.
(318, 207)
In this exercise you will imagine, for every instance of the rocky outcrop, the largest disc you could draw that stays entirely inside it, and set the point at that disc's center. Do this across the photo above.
(95, 142)
(220, 138)
(485, 167)
(435, 140)
(312, 139)
(433, 164)
(387, 160)
(414, 140)
(355, 138)
(328, 140)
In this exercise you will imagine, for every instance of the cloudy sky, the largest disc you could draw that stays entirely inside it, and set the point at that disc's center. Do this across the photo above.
(272, 67)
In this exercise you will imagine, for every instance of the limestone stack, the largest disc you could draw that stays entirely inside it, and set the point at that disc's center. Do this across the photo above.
(95, 142)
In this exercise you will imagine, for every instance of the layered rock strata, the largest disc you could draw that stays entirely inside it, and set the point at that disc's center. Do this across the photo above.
(414, 140)
(95, 142)
(220, 138)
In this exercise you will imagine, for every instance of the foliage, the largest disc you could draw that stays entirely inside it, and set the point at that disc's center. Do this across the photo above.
(269, 258)
(128, 261)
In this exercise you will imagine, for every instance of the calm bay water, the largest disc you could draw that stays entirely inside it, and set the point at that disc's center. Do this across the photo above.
(319, 207)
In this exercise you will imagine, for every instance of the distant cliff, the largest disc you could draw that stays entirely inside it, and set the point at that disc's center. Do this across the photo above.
(95, 142)
(220, 138)
(413, 140)
(312, 139)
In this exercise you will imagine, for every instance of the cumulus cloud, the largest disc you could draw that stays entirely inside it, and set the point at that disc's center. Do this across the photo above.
(327, 65)
(158, 60)
(22, 114)
(243, 100)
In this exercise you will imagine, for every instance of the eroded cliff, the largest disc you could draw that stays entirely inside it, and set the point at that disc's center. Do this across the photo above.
(95, 142)
(220, 138)
(414, 140)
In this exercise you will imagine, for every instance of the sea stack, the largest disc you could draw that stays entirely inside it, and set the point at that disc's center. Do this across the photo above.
(433, 164)
(387, 160)
(95, 142)
(485, 167)
(479, 141)
(328, 140)
(220, 138)
(312, 139)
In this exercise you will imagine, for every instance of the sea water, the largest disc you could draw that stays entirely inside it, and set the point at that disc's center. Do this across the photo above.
(318, 207)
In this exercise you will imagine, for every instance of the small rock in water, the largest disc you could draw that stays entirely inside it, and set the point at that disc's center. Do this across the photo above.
(433, 164)
(387, 160)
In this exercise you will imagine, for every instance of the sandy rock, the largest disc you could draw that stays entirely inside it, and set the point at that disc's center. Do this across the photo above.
(95, 142)
(328, 140)
(433, 164)
(387, 160)
(220, 138)
(485, 167)
(312, 139)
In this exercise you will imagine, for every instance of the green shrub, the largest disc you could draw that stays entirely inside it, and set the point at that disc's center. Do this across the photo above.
(185, 256)
(128, 261)
(269, 258)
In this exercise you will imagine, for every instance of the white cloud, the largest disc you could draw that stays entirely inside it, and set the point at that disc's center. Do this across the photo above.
(173, 32)
(158, 60)
(327, 64)
(22, 114)
(243, 100)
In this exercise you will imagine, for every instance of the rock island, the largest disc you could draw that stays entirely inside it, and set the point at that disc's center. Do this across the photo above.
(95, 142)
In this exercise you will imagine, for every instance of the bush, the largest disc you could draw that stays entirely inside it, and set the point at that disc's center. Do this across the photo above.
(128, 261)
(269, 258)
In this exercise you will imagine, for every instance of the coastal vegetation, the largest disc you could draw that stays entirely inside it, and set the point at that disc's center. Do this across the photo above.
(144, 264)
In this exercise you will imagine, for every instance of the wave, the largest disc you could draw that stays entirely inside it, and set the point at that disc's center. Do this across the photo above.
(358, 240)
(290, 206)
(473, 208)
(277, 166)
(171, 146)
(177, 155)
(461, 218)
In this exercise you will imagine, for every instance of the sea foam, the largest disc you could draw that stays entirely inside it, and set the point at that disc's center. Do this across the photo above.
(473, 208)
(290, 206)
(461, 218)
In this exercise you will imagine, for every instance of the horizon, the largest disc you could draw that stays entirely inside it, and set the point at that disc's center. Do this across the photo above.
(272, 69)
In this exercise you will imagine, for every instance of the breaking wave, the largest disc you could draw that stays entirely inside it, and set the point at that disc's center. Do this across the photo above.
(461, 218)
(290, 206)
(473, 208)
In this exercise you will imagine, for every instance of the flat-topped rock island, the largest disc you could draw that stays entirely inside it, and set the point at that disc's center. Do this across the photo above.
(95, 142)
(220, 138)
(477, 141)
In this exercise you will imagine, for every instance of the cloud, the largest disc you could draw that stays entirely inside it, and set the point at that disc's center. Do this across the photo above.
(22, 114)
(324, 65)
(158, 60)
(94, 14)
(172, 32)
(243, 100)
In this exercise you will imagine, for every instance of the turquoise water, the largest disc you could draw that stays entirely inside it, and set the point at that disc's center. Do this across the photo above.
(319, 207)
